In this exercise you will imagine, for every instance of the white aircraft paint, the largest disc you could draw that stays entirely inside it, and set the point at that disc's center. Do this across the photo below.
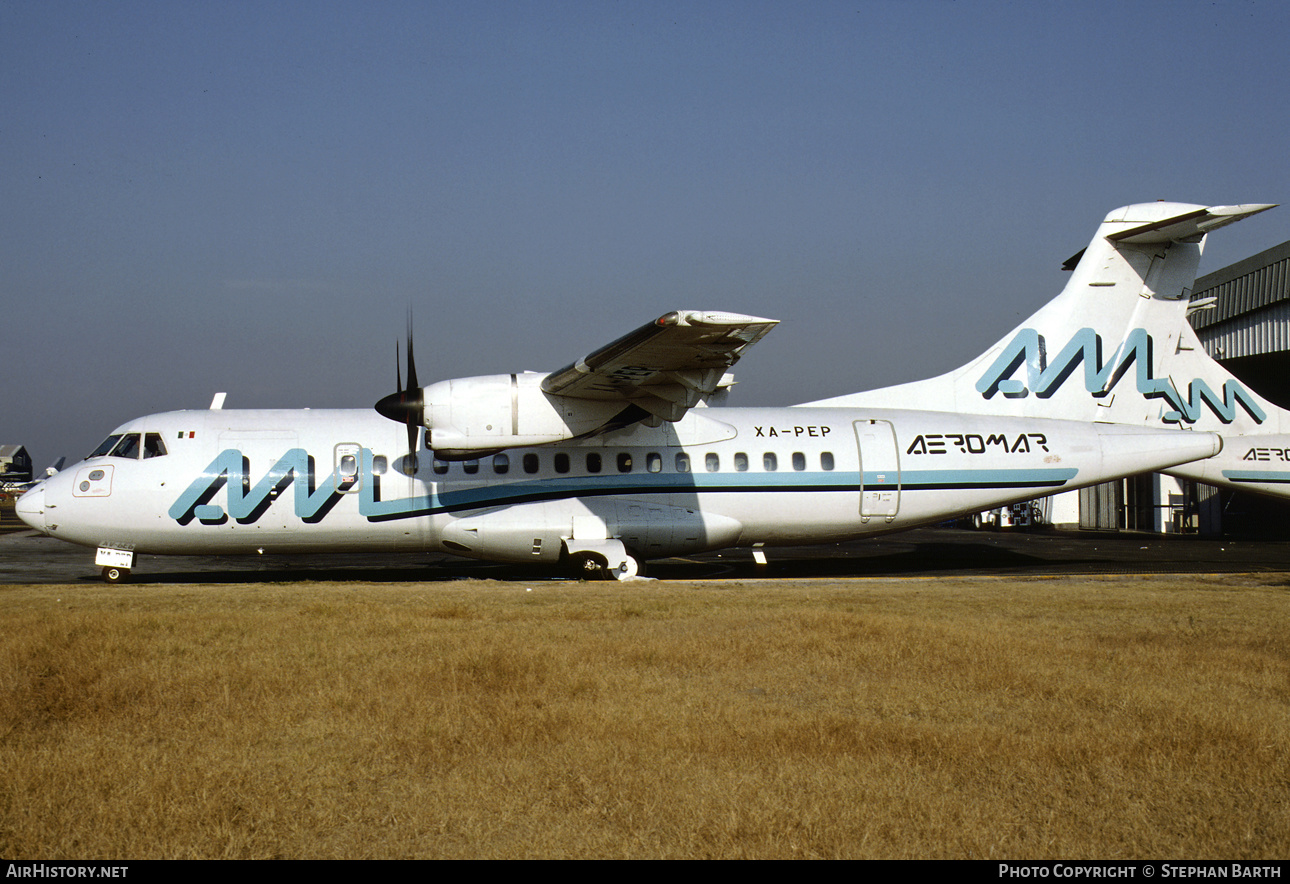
(612, 461)
(1116, 346)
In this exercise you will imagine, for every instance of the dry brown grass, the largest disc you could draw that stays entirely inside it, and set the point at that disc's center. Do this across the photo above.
(1115, 717)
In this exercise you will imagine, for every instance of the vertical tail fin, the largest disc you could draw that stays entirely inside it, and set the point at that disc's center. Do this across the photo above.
(1114, 346)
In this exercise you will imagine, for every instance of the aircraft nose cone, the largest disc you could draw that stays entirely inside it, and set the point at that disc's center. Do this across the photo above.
(31, 508)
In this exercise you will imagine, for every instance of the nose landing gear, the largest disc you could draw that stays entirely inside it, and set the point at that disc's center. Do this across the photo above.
(115, 563)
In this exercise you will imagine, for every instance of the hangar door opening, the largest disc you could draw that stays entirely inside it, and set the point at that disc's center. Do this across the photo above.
(879, 470)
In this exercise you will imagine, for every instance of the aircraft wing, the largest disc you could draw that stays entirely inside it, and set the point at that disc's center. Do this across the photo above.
(665, 367)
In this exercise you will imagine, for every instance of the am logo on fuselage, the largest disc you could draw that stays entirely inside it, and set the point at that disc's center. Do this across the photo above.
(313, 500)
(1044, 378)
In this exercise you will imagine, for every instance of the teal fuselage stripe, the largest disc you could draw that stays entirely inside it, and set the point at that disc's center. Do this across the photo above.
(314, 496)
(1270, 477)
(925, 480)
(512, 493)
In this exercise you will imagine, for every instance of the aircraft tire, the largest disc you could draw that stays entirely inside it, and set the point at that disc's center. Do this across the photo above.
(116, 575)
(588, 566)
(630, 568)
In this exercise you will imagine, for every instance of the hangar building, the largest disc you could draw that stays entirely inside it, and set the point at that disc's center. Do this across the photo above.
(15, 464)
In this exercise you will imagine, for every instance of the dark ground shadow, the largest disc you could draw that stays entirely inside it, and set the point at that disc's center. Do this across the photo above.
(26, 557)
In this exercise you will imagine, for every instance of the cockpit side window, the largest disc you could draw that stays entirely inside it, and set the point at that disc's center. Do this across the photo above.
(127, 447)
(108, 444)
(153, 446)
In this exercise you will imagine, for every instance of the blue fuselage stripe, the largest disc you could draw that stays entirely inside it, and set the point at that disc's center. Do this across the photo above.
(1270, 477)
(512, 493)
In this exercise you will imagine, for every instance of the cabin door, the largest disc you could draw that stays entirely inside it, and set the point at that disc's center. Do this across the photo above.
(879, 470)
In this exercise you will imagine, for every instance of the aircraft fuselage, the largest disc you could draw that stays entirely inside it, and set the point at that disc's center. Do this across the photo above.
(234, 482)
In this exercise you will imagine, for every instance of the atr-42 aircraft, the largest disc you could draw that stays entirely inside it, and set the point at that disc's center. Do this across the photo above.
(611, 460)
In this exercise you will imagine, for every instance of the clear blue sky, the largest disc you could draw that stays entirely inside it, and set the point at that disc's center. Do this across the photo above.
(247, 197)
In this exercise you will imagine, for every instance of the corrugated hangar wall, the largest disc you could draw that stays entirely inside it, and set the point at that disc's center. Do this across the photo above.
(1248, 330)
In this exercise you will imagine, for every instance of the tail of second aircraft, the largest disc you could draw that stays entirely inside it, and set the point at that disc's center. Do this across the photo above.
(1115, 346)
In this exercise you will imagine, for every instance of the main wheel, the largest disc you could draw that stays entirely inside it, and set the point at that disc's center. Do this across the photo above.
(115, 575)
(587, 566)
(627, 569)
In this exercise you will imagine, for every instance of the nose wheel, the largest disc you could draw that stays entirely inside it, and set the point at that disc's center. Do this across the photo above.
(115, 575)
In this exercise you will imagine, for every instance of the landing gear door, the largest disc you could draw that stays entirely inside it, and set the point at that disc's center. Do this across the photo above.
(879, 470)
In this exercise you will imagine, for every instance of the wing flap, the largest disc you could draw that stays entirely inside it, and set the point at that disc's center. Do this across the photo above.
(666, 366)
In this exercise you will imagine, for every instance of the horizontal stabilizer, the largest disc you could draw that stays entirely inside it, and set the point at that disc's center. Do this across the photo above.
(1186, 227)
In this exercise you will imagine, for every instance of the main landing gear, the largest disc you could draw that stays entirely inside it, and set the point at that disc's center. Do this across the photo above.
(600, 558)
(589, 565)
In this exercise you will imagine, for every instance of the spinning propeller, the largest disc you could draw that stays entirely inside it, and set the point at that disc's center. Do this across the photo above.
(407, 405)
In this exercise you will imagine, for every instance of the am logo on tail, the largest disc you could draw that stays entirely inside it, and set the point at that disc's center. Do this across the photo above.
(614, 459)
(1116, 347)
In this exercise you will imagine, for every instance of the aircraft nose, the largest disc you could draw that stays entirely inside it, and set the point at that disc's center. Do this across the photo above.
(31, 508)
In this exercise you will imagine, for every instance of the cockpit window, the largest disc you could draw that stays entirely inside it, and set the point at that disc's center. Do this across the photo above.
(127, 447)
(108, 444)
(153, 446)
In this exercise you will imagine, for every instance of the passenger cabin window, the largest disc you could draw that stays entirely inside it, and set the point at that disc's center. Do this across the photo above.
(561, 462)
(380, 463)
(440, 466)
(741, 462)
(682, 462)
(624, 462)
(530, 463)
(826, 460)
(501, 464)
(653, 462)
(593, 462)
(711, 462)
(470, 466)
(769, 462)
(799, 461)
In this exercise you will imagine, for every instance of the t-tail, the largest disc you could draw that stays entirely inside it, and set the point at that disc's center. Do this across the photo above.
(1116, 347)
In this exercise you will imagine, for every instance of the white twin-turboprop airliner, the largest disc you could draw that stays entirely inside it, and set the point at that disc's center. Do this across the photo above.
(612, 460)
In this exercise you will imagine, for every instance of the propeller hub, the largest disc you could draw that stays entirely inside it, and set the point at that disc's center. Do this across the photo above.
(401, 405)
(406, 405)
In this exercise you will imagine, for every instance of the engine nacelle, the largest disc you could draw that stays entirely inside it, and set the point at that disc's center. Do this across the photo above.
(465, 416)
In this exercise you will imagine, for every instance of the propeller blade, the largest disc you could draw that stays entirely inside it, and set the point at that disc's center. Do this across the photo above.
(407, 404)
(412, 363)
